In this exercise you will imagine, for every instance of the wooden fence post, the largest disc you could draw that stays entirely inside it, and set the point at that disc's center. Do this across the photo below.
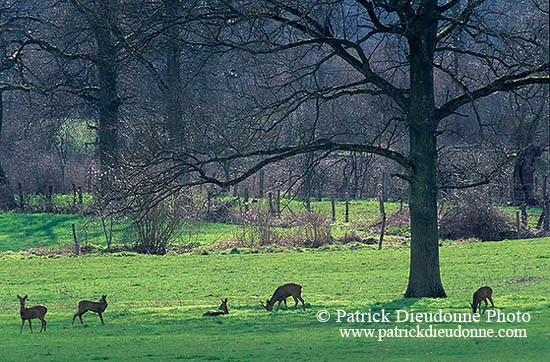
(49, 191)
(76, 246)
(21, 200)
(80, 195)
(333, 209)
(347, 206)
(383, 216)
(546, 224)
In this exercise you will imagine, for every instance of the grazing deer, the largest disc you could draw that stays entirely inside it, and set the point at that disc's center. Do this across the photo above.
(481, 295)
(221, 310)
(86, 305)
(38, 311)
(283, 292)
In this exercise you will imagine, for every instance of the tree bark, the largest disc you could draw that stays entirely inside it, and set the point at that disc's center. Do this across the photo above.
(7, 201)
(524, 176)
(174, 119)
(424, 273)
(108, 98)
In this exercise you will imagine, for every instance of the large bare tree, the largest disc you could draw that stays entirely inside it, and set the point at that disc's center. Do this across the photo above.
(402, 52)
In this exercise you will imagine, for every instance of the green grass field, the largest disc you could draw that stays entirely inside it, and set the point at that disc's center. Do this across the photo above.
(156, 302)
(19, 232)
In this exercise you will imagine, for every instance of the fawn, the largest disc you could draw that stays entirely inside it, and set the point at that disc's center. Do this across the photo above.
(38, 311)
(221, 310)
(86, 305)
(283, 292)
(481, 295)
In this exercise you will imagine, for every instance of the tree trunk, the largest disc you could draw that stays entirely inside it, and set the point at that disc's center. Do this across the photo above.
(524, 176)
(424, 274)
(108, 98)
(174, 120)
(7, 201)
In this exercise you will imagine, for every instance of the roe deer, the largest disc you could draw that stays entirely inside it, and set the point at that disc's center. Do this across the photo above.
(38, 311)
(221, 310)
(86, 305)
(481, 295)
(283, 292)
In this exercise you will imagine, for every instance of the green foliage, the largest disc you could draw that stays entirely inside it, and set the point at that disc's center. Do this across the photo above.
(74, 135)
(156, 303)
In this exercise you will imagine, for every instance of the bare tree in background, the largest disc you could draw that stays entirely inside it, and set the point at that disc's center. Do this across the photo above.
(529, 139)
(14, 23)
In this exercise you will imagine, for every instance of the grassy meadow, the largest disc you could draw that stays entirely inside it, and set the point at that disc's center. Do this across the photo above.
(20, 232)
(156, 302)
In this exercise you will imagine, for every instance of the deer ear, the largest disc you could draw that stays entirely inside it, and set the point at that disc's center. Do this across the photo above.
(18, 296)
(225, 300)
(25, 297)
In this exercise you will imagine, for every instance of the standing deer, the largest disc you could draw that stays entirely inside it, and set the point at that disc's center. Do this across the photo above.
(221, 310)
(86, 305)
(283, 292)
(481, 295)
(38, 311)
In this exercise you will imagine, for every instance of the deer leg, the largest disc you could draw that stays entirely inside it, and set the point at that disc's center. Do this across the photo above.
(22, 324)
(80, 316)
(101, 317)
(295, 303)
(30, 325)
(303, 304)
(278, 305)
(484, 309)
(75, 315)
(491, 300)
(286, 306)
(43, 324)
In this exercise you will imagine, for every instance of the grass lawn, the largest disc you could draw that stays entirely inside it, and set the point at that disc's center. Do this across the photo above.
(20, 232)
(156, 302)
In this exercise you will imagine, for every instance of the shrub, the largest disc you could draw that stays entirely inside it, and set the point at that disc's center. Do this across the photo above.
(475, 219)
(157, 227)
(256, 229)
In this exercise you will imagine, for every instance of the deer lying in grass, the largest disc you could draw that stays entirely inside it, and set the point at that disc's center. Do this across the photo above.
(481, 295)
(86, 305)
(221, 310)
(38, 311)
(283, 292)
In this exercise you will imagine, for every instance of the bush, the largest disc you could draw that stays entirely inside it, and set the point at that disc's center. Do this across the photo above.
(157, 227)
(476, 219)
(256, 229)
